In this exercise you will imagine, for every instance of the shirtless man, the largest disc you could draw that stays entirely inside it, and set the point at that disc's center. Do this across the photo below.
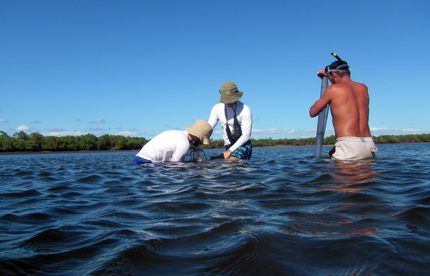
(349, 105)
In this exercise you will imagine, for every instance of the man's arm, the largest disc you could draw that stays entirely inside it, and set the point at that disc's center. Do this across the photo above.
(181, 147)
(321, 103)
(213, 117)
(180, 153)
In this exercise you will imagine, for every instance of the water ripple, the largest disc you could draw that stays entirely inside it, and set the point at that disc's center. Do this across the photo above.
(281, 213)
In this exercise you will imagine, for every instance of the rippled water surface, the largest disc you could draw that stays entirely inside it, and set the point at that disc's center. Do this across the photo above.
(281, 213)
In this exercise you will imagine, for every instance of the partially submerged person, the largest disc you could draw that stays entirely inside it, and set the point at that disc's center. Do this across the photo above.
(173, 145)
(236, 121)
(349, 105)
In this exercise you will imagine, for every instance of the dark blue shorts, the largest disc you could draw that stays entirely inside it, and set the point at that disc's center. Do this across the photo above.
(139, 160)
(244, 151)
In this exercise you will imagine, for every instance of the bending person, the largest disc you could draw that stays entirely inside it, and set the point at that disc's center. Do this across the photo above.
(236, 122)
(349, 106)
(173, 145)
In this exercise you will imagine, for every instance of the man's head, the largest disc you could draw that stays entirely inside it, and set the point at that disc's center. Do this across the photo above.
(340, 67)
(202, 130)
(229, 93)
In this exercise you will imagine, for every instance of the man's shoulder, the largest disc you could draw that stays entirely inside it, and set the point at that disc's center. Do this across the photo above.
(343, 87)
(176, 137)
(360, 85)
(247, 109)
(218, 106)
(332, 89)
(174, 132)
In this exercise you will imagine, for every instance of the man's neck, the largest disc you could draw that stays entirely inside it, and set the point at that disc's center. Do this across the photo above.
(343, 79)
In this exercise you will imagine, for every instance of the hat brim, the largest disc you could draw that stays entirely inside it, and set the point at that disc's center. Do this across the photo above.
(231, 98)
(205, 141)
(192, 131)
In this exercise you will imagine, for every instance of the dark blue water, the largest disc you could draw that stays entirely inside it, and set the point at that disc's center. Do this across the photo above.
(281, 213)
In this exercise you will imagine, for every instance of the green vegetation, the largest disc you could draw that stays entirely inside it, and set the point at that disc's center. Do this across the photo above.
(21, 141)
(330, 140)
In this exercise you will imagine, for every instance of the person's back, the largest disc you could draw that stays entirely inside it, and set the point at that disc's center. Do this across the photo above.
(349, 105)
(170, 145)
(350, 108)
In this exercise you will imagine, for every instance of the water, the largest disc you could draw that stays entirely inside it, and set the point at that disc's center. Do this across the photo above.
(281, 213)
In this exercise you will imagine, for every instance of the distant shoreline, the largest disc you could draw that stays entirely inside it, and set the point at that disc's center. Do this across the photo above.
(35, 143)
(95, 151)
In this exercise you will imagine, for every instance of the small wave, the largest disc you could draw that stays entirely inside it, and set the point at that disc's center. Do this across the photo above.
(23, 194)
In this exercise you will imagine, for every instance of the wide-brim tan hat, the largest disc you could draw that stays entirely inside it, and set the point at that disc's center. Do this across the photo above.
(230, 93)
(202, 130)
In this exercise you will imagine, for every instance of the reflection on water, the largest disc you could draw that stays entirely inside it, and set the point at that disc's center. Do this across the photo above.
(348, 175)
(281, 213)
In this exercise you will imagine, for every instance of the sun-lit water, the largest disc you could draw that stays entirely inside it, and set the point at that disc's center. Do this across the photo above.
(281, 213)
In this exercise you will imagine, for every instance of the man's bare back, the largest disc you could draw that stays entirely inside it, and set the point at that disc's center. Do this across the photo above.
(349, 104)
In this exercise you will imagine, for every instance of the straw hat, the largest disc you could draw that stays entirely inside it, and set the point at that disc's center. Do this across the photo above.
(202, 130)
(229, 93)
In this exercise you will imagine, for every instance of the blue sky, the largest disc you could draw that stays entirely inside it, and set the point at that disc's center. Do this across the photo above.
(137, 68)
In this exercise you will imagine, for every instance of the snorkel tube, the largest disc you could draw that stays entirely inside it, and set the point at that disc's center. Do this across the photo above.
(322, 117)
(336, 56)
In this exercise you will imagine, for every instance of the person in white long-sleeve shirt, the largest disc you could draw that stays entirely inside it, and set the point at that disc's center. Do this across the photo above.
(236, 120)
(173, 145)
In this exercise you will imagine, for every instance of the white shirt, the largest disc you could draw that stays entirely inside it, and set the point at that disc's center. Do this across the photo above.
(168, 146)
(244, 117)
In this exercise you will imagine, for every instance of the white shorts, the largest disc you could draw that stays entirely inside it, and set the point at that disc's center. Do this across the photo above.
(353, 148)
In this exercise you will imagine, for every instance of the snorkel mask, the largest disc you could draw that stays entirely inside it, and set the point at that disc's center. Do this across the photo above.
(336, 66)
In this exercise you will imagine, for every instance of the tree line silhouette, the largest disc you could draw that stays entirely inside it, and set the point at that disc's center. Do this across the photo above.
(21, 141)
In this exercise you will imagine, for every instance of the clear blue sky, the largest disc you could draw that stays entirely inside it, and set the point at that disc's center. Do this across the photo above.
(137, 68)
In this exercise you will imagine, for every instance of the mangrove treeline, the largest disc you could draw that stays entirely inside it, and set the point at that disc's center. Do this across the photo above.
(22, 141)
